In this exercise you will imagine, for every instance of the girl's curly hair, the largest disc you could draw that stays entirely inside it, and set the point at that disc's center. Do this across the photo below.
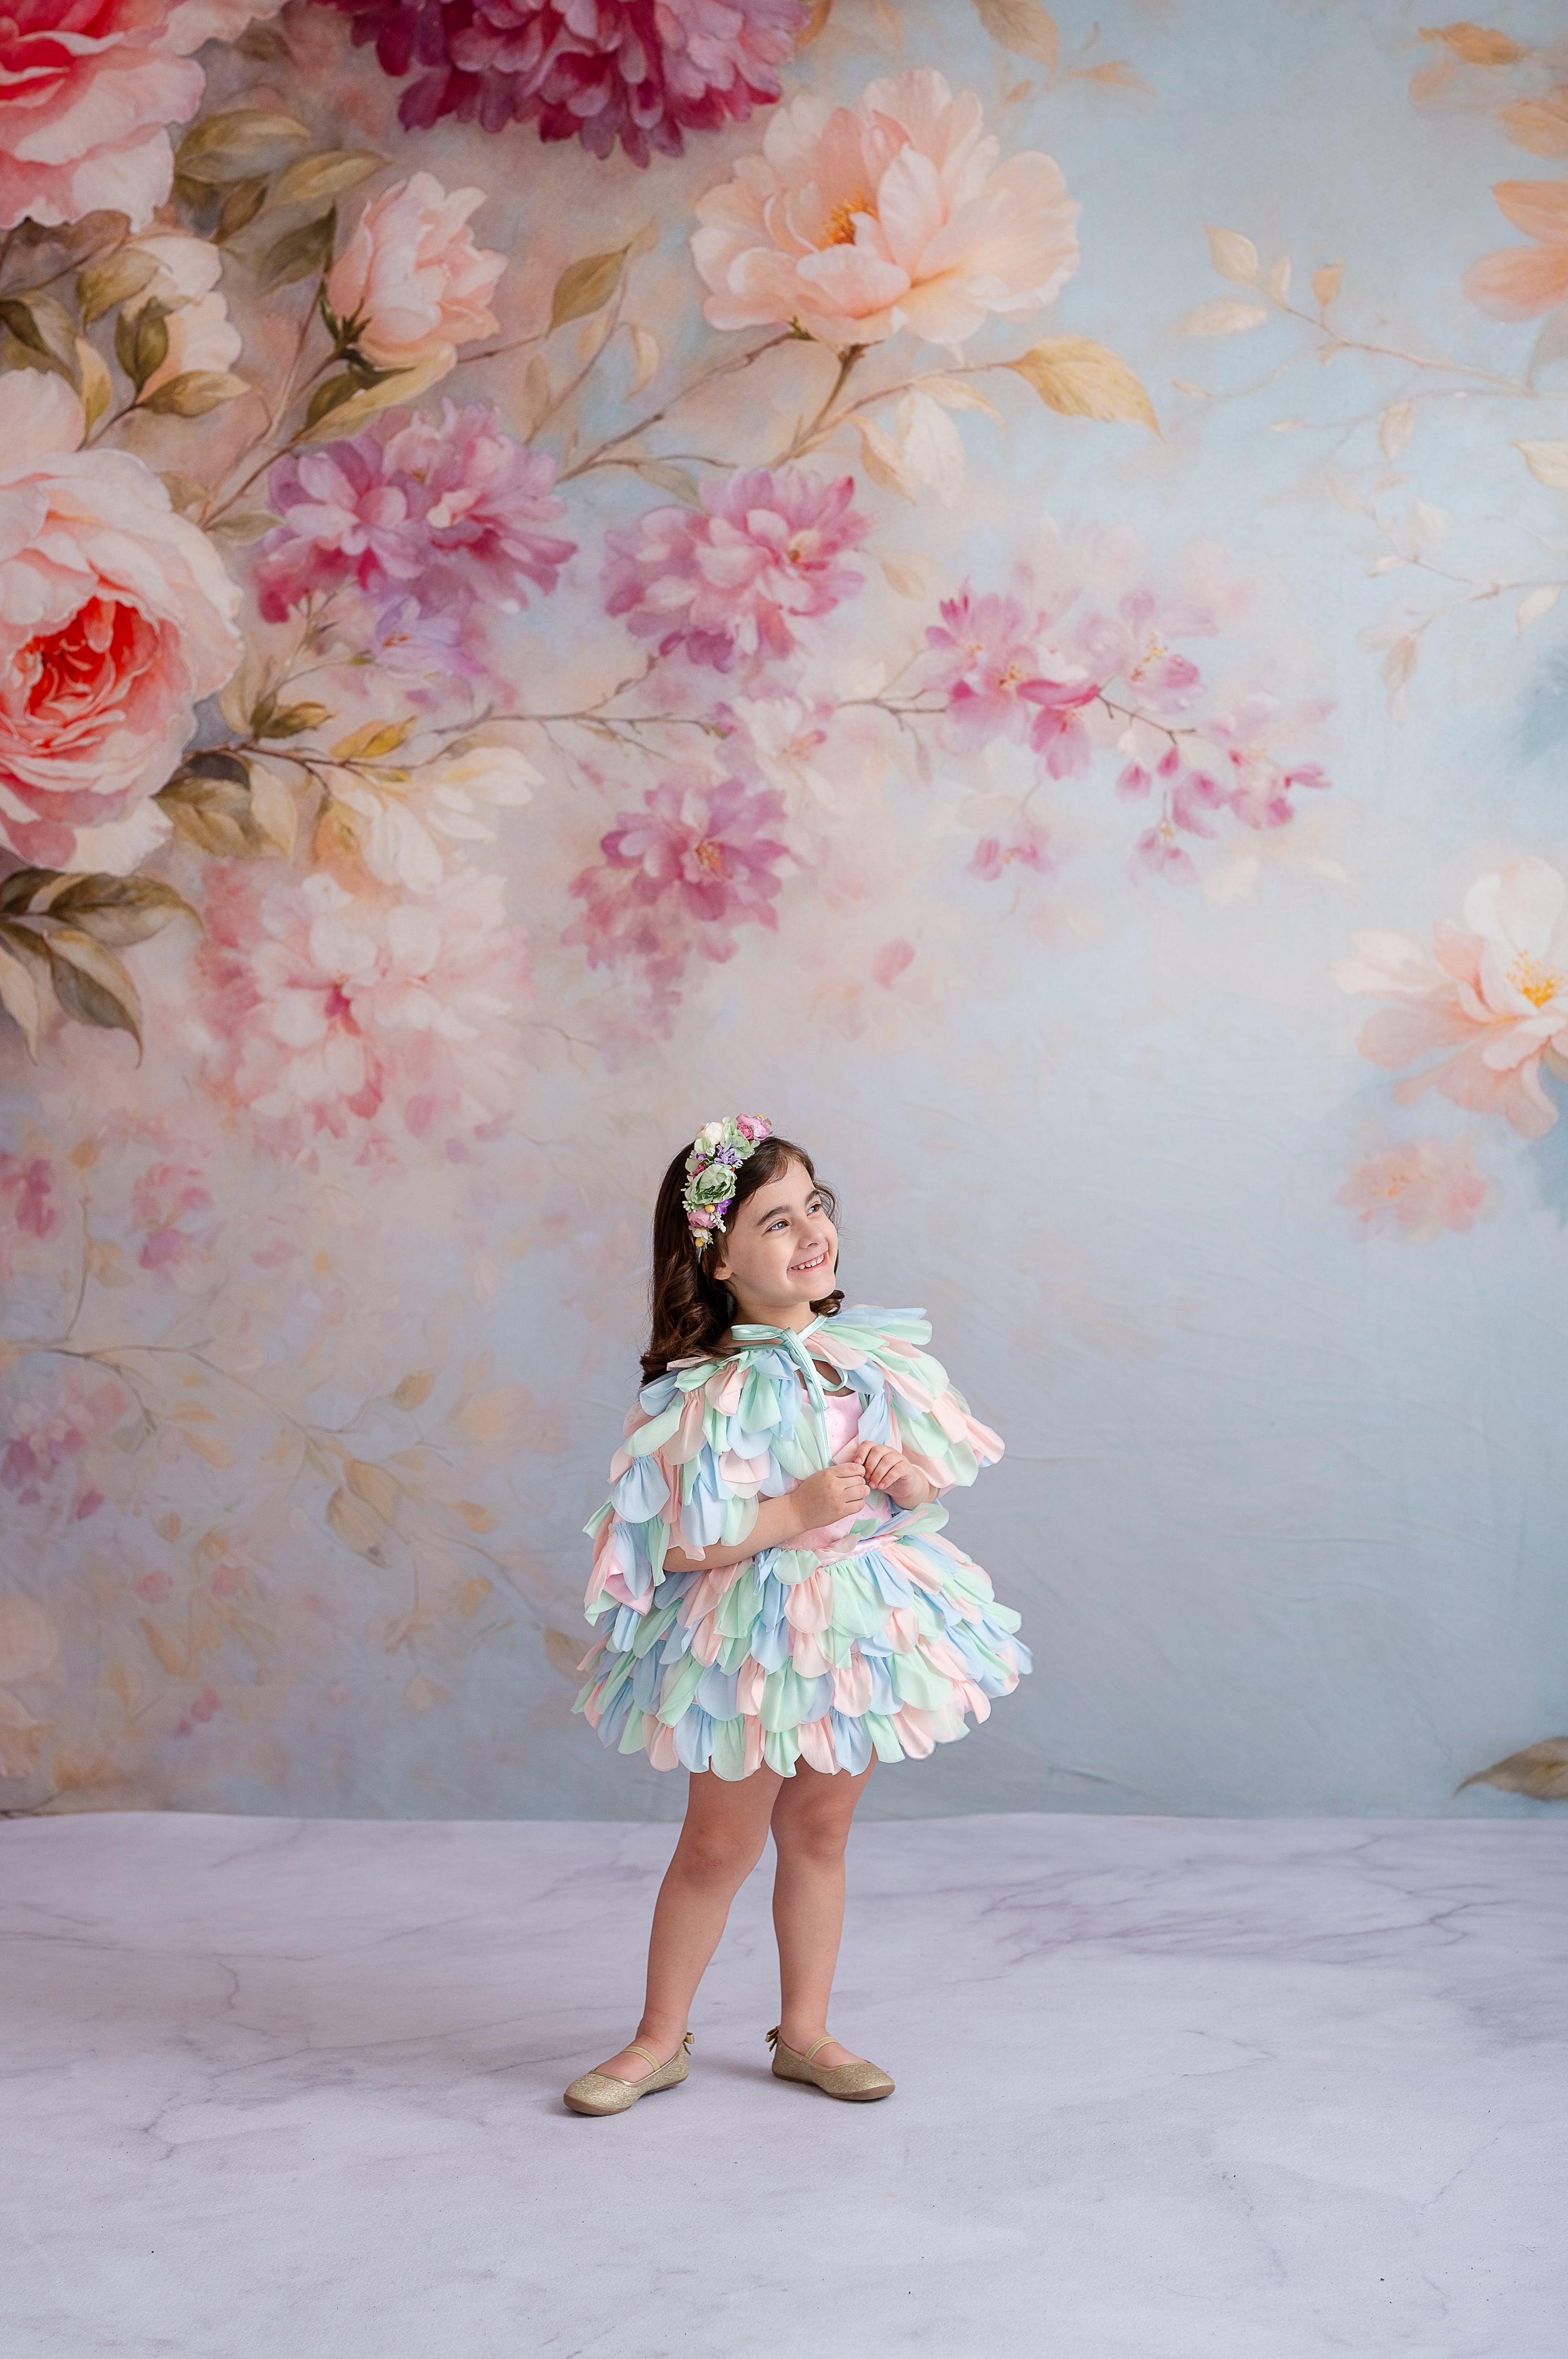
(689, 1309)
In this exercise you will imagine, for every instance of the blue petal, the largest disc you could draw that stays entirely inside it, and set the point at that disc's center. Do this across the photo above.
(646, 1680)
(883, 1699)
(770, 1635)
(624, 1628)
(677, 1640)
(611, 1725)
(641, 1491)
(958, 1635)
(875, 1424)
(852, 1744)
(694, 1739)
(892, 1586)
(716, 1692)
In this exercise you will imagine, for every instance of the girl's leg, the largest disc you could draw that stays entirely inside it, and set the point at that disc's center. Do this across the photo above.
(719, 1843)
(811, 1827)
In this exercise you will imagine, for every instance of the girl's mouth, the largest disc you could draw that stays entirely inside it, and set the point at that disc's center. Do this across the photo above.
(802, 1268)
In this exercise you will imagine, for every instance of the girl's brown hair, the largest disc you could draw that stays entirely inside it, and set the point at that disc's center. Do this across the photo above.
(689, 1308)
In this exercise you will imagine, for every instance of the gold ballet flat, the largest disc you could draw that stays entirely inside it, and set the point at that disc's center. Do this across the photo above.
(859, 2080)
(604, 2093)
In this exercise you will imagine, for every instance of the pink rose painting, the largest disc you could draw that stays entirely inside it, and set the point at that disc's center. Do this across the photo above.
(413, 279)
(87, 93)
(116, 618)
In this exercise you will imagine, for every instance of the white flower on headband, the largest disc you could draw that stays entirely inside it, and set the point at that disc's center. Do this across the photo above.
(717, 1151)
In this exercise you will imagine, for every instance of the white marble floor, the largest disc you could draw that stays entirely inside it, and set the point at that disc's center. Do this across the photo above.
(1168, 2088)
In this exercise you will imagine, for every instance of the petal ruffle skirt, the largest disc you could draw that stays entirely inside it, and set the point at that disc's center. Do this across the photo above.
(786, 1657)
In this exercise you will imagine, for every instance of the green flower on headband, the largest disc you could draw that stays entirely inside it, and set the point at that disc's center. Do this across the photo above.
(717, 1151)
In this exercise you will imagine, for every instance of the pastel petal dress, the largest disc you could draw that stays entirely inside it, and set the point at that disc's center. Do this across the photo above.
(871, 1637)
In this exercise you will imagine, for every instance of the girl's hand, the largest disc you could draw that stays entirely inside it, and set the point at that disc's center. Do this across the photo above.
(823, 1498)
(887, 1470)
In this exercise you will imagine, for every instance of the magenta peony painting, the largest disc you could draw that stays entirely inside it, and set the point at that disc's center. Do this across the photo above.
(567, 566)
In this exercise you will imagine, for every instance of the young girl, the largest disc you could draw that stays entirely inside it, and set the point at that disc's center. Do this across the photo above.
(783, 1611)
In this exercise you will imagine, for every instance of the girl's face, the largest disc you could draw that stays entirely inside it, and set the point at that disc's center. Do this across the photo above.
(779, 1251)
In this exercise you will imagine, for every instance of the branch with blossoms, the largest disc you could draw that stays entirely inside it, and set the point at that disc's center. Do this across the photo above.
(744, 587)
(1489, 71)
(995, 670)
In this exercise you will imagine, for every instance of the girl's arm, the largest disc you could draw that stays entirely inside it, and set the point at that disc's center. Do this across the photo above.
(819, 1499)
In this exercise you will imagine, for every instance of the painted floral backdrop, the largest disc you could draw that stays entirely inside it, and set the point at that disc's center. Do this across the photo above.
(987, 585)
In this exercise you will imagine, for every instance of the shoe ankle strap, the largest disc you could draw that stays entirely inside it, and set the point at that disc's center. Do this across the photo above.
(776, 2040)
(659, 2062)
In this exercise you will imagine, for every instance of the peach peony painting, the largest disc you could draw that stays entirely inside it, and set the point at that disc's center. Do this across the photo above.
(924, 571)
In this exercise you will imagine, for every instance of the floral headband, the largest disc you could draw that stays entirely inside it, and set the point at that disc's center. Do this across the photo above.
(716, 1151)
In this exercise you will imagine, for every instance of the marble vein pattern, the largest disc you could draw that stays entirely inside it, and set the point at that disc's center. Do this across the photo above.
(1168, 2089)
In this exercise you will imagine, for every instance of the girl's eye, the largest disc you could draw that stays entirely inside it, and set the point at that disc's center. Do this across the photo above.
(814, 1206)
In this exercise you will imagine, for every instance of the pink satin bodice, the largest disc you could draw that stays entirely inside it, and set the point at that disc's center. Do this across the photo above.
(843, 1423)
(843, 1419)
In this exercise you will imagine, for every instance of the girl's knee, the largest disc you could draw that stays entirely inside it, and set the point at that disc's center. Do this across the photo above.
(805, 1836)
(720, 1862)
